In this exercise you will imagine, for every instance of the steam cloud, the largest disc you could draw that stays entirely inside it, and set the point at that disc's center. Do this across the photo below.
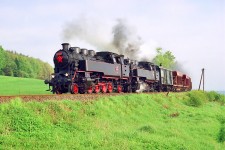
(125, 39)
(86, 30)
(122, 38)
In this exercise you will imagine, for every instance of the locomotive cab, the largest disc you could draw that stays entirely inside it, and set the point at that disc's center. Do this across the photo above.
(110, 57)
(120, 59)
(146, 65)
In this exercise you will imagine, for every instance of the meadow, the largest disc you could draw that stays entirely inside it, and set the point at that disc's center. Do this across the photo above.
(22, 86)
(193, 120)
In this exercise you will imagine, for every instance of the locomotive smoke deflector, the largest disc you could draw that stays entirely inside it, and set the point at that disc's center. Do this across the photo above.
(65, 46)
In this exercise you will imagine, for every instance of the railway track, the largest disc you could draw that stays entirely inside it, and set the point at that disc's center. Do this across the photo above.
(78, 97)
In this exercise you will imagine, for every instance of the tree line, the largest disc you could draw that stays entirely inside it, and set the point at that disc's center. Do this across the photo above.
(19, 65)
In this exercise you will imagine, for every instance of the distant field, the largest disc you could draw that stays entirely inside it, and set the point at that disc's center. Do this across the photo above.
(183, 121)
(21, 86)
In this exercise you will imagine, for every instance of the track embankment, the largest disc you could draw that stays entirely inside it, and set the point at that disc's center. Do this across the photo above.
(80, 97)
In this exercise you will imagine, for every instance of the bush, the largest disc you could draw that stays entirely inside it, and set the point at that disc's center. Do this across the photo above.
(221, 136)
(196, 98)
(214, 96)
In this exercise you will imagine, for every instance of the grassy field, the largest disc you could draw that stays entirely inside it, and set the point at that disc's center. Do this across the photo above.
(194, 120)
(21, 86)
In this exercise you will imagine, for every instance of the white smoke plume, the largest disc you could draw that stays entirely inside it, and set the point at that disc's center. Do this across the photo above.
(143, 87)
(88, 31)
(180, 66)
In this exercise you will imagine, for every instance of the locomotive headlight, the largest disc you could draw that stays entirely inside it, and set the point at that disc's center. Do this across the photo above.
(66, 74)
(53, 76)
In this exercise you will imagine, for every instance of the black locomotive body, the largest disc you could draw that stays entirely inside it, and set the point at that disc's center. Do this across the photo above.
(84, 71)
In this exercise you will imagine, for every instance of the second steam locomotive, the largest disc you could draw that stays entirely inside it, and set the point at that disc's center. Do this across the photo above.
(84, 71)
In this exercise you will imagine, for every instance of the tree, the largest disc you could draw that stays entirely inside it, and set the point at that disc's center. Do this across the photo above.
(10, 65)
(2, 60)
(166, 59)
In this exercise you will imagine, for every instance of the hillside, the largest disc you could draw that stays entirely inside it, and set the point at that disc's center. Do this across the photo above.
(22, 86)
(19, 65)
(194, 120)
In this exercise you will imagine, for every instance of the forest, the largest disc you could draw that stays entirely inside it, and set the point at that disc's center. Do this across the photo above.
(19, 65)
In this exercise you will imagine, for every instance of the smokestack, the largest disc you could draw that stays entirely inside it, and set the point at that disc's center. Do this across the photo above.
(65, 46)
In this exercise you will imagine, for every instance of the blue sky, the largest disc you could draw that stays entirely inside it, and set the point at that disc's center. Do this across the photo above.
(193, 30)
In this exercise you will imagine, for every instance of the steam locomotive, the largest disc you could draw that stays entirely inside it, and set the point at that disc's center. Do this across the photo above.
(85, 71)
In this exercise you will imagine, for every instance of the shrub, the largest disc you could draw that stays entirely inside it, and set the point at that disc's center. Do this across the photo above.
(214, 96)
(196, 98)
(222, 100)
(221, 136)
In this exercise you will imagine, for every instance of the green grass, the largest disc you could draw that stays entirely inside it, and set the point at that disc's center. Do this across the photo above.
(22, 86)
(135, 121)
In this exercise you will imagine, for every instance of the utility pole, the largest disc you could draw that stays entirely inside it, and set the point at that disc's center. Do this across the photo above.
(202, 80)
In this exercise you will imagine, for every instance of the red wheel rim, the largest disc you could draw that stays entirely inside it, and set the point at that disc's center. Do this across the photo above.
(110, 87)
(119, 88)
(90, 90)
(97, 89)
(104, 88)
(74, 88)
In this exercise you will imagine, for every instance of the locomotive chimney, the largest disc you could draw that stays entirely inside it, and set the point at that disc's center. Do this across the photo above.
(65, 46)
